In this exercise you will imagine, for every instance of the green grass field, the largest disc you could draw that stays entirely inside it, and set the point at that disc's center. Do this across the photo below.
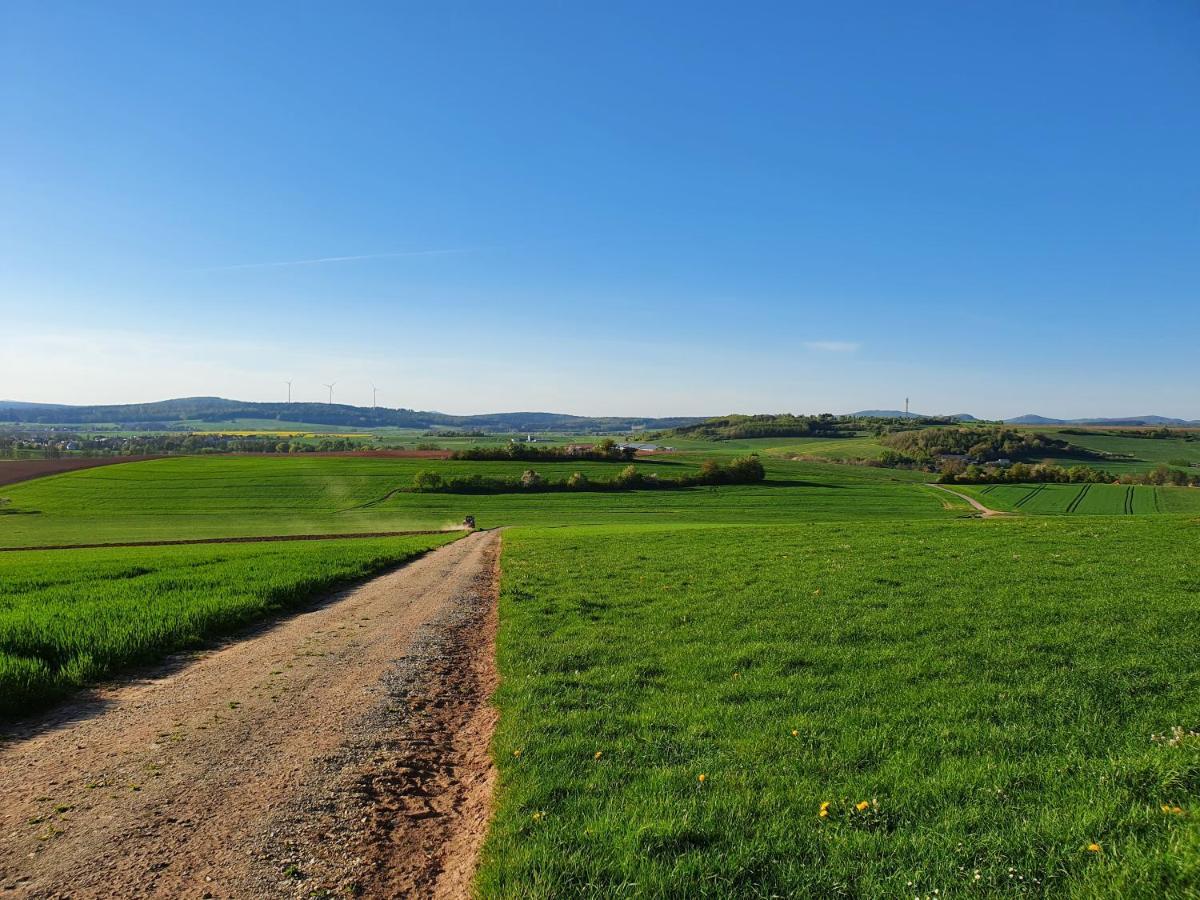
(837, 634)
(69, 617)
(989, 689)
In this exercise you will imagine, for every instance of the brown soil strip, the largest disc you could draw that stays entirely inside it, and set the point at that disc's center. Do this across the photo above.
(17, 470)
(984, 511)
(386, 454)
(232, 540)
(343, 750)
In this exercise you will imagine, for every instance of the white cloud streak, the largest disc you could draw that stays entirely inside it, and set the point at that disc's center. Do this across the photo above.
(320, 260)
(833, 346)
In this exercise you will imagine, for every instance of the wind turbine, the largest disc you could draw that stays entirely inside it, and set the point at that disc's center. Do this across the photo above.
(289, 384)
(330, 386)
(374, 392)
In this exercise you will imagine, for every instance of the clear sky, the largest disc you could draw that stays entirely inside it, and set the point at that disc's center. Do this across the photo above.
(605, 208)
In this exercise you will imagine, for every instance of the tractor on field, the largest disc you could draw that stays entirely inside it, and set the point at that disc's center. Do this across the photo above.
(469, 523)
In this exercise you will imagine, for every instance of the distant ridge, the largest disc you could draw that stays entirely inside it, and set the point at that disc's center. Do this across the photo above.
(20, 404)
(1031, 419)
(900, 414)
(218, 409)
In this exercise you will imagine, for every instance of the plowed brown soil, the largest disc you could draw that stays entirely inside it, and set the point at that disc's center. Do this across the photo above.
(12, 471)
(343, 750)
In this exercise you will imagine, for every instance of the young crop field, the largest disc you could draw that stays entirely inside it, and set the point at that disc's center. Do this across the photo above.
(1085, 499)
(851, 447)
(225, 496)
(1142, 454)
(952, 708)
(70, 617)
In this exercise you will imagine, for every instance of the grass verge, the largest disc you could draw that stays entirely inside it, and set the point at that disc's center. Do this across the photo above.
(70, 617)
(990, 690)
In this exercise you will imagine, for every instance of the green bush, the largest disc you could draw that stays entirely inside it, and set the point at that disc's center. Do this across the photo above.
(427, 480)
(628, 477)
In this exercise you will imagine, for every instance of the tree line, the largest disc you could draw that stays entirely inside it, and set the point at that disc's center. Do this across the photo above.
(978, 444)
(55, 444)
(606, 450)
(742, 470)
(1161, 474)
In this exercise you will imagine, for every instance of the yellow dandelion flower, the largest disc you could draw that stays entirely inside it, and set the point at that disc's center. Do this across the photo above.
(599, 753)
(1178, 810)
(516, 753)
(1166, 807)
(1093, 848)
(794, 732)
(700, 778)
(824, 810)
(861, 806)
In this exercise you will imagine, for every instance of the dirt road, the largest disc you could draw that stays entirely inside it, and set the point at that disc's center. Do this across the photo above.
(984, 511)
(343, 750)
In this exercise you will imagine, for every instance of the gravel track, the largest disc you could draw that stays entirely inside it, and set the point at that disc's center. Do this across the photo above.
(341, 750)
(983, 511)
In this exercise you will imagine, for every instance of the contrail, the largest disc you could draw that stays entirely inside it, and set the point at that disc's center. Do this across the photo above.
(332, 259)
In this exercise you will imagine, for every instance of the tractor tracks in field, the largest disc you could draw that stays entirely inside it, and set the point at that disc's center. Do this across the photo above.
(1029, 496)
(1074, 504)
(340, 752)
(377, 501)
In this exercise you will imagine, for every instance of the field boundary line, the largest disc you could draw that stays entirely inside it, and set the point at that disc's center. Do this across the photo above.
(182, 542)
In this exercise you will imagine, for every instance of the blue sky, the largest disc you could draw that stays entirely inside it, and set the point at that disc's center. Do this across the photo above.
(618, 208)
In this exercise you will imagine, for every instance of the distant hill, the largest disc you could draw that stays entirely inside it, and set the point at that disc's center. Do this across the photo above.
(1030, 419)
(887, 414)
(218, 409)
(1130, 420)
(20, 404)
